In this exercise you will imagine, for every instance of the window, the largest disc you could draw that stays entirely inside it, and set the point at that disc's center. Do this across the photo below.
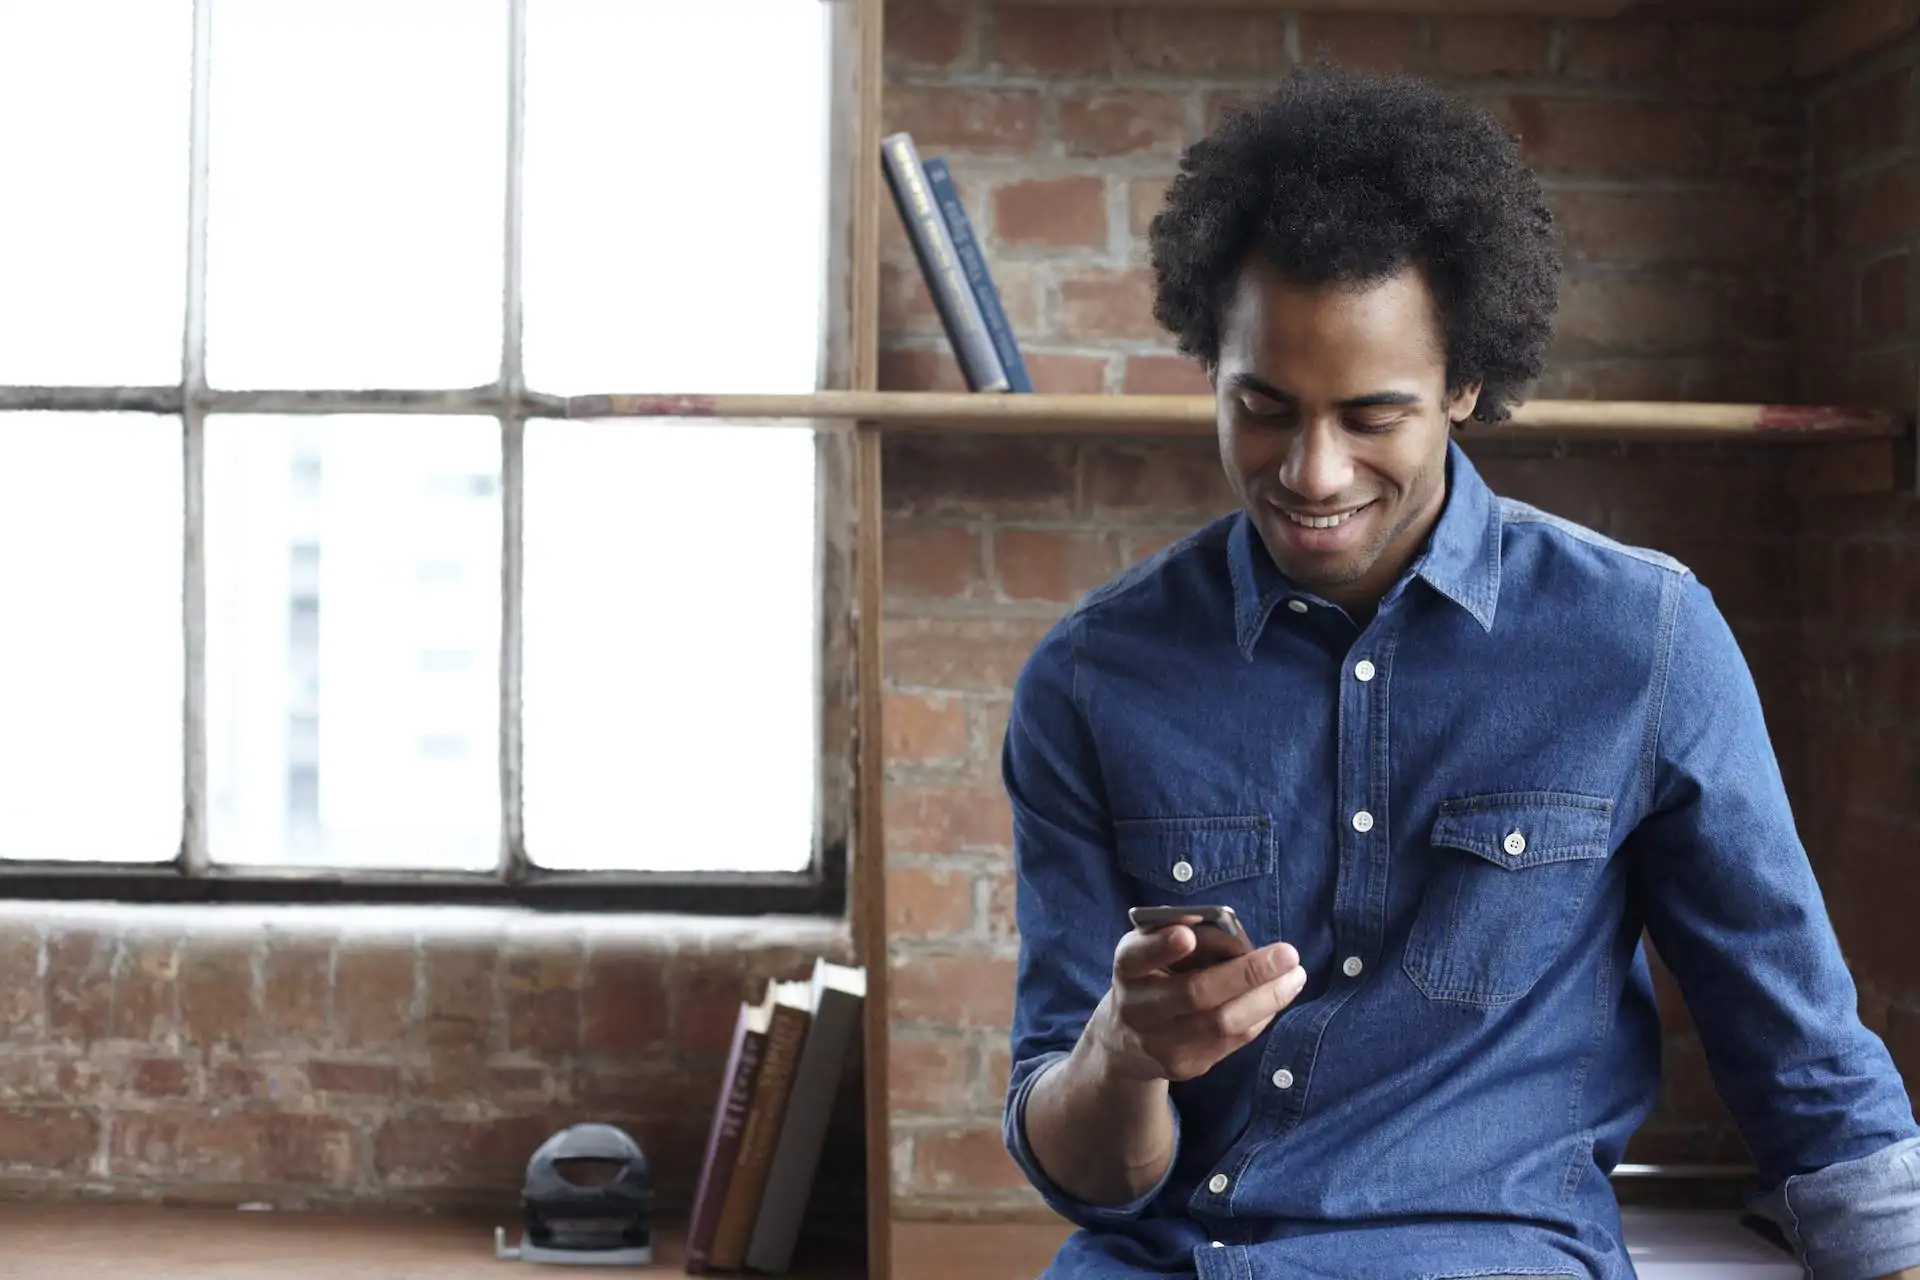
(315, 590)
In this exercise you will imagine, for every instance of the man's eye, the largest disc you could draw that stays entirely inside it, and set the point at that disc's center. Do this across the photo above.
(1264, 409)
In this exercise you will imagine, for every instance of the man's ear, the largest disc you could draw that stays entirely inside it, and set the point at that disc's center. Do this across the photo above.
(1461, 403)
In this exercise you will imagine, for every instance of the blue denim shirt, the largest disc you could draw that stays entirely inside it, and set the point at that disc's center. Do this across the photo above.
(1462, 814)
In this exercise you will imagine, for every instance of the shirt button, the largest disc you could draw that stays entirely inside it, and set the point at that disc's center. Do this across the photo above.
(1363, 821)
(1183, 871)
(1283, 1079)
(1298, 606)
(1351, 966)
(1363, 671)
(1515, 844)
(1218, 1245)
(1217, 1183)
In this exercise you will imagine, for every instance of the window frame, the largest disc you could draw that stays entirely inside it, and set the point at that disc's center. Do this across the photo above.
(191, 876)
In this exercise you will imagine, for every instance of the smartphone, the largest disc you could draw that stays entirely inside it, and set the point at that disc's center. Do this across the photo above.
(1216, 928)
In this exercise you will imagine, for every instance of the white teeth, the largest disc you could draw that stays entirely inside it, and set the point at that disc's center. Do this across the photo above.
(1323, 522)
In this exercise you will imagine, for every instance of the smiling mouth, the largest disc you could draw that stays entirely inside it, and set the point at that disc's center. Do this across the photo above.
(1333, 521)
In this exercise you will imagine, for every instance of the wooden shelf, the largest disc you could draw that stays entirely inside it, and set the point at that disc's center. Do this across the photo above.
(988, 414)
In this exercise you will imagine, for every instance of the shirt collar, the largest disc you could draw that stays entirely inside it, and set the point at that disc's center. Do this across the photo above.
(1461, 558)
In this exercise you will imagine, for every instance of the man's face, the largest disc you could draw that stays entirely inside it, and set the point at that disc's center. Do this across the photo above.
(1333, 421)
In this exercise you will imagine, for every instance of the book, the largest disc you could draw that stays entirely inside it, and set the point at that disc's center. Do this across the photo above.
(973, 263)
(835, 994)
(934, 250)
(723, 1136)
(788, 1006)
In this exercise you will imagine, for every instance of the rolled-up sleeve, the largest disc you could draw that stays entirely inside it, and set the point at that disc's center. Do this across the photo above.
(1732, 905)
(1069, 905)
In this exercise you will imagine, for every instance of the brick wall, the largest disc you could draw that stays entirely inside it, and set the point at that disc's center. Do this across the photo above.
(389, 1057)
(1860, 557)
(1062, 124)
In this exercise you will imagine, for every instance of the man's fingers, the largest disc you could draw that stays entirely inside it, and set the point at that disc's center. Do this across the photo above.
(1140, 954)
(1249, 1011)
(1214, 986)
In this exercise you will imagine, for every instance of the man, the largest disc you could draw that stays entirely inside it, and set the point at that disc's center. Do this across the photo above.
(1443, 754)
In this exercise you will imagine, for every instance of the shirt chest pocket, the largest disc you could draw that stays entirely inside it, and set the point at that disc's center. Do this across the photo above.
(1510, 873)
(1205, 861)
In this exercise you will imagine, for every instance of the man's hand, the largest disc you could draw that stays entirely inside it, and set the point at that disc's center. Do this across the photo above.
(1157, 1025)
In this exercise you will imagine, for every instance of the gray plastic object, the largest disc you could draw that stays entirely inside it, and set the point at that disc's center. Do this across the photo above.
(602, 1221)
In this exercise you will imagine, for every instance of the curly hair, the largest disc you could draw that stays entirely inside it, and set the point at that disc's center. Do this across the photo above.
(1348, 177)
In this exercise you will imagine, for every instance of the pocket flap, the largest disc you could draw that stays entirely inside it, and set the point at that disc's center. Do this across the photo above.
(1519, 829)
(1186, 855)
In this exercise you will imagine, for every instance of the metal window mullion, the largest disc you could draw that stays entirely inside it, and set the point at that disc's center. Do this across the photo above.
(513, 845)
(194, 857)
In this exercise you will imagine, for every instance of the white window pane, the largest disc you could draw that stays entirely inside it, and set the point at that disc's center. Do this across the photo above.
(353, 640)
(356, 207)
(675, 194)
(92, 656)
(668, 678)
(93, 224)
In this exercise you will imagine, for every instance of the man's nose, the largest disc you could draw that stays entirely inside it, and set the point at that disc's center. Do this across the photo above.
(1317, 467)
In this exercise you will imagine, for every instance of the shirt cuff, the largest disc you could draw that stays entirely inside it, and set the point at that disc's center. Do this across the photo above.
(1078, 1212)
(1856, 1220)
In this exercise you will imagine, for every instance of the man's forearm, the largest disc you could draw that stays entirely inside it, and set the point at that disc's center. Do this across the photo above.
(1104, 1139)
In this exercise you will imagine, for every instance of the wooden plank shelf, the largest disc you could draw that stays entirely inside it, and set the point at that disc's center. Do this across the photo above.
(1107, 415)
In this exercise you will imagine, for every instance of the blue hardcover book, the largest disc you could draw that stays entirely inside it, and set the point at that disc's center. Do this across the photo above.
(933, 247)
(974, 263)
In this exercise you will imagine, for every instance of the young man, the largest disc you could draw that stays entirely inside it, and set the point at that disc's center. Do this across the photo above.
(1443, 754)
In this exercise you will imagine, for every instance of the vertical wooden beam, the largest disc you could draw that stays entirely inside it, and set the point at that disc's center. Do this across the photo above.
(868, 880)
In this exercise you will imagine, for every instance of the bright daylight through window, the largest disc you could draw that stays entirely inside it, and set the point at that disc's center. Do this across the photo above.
(315, 628)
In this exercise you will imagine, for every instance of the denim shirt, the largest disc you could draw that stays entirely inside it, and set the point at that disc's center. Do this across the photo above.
(1462, 813)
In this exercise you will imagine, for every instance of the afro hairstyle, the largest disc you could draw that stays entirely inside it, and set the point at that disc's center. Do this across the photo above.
(1347, 177)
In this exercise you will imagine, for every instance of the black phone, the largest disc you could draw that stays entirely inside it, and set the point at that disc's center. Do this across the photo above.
(1216, 928)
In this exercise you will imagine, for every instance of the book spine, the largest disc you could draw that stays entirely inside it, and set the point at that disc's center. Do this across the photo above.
(973, 262)
(764, 1116)
(940, 265)
(723, 1141)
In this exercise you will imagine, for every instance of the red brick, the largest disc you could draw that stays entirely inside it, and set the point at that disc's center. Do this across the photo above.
(927, 37)
(1004, 477)
(1642, 378)
(1599, 138)
(1376, 42)
(20, 987)
(1053, 41)
(297, 976)
(1145, 196)
(1903, 1039)
(282, 1083)
(945, 118)
(1625, 50)
(1648, 225)
(1139, 544)
(953, 990)
(707, 995)
(1050, 564)
(1609, 313)
(1161, 479)
(1203, 42)
(922, 561)
(1490, 46)
(1837, 33)
(79, 985)
(265, 1148)
(1884, 379)
(217, 1006)
(933, 819)
(926, 1072)
(458, 983)
(1059, 213)
(159, 1078)
(1736, 54)
(973, 1161)
(372, 993)
(368, 1079)
(920, 369)
(1100, 304)
(1122, 122)
(906, 306)
(1765, 143)
(1066, 375)
(540, 992)
(25, 1077)
(1884, 295)
(43, 1140)
(625, 1010)
(960, 655)
(1877, 210)
(921, 730)
(1002, 891)
(996, 1069)
(1862, 122)
(1165, 376)
(929, 902)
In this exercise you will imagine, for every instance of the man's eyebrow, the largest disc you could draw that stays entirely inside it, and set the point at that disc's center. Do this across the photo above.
(1371, 400)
